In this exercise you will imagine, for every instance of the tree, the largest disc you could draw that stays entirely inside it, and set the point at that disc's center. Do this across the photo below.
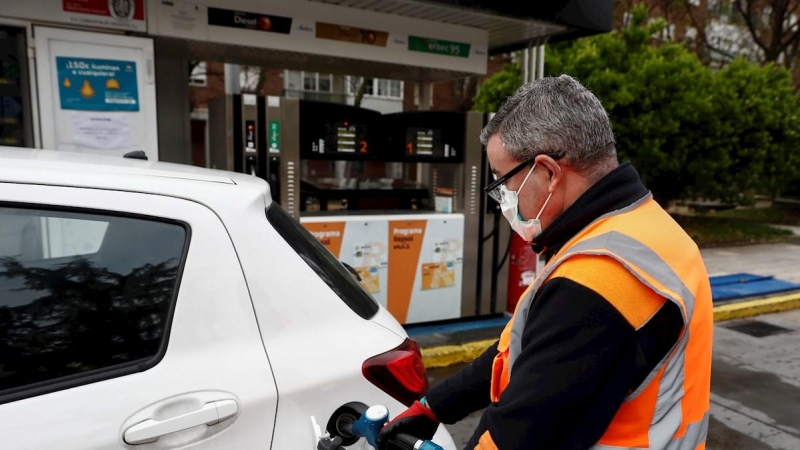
(359, 86)
(252, 79)
(463, 92)
(762, 124)
(690, 131)
(774, 27)
(660, 100)
(497, 88)
(762, 30)
(719, 35)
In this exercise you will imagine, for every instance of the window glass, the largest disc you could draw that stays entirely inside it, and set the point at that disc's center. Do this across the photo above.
(310, 81)
(383, 88)
(370, 86)
(329, 269)
(395, 88)
(325, 83)
(293, 79)
(82, 292)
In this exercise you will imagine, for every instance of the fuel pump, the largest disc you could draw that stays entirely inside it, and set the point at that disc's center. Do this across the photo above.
(236, 145)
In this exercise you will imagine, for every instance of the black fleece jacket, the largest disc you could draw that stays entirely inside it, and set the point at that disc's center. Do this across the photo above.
(578, 362)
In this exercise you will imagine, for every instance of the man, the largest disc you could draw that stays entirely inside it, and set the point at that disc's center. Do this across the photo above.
(611, 345)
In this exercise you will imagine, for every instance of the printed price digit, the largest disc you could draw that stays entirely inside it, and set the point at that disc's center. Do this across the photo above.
(77, 65)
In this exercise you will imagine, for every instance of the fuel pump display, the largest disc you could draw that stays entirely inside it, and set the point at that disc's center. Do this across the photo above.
(426, 136)
(421, 141)
(332, 131)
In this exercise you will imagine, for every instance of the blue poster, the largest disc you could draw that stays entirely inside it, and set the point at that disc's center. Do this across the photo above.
(89, 84)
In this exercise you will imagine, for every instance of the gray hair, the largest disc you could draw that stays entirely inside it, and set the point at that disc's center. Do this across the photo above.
(555, 114)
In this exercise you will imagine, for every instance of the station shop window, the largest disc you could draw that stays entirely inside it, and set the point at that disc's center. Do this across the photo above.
(84, 296)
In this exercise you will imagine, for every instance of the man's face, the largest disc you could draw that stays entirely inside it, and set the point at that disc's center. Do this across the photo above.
(533, 193)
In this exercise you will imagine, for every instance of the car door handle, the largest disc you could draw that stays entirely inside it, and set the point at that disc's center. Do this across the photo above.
(211, 413)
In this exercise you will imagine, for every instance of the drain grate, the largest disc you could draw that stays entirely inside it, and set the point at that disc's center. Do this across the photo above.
(758, 329)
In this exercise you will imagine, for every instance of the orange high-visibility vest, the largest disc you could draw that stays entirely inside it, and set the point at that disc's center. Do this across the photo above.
(669, 410)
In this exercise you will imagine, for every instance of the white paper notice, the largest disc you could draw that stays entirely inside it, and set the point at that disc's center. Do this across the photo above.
(181, 19)
(108, 131)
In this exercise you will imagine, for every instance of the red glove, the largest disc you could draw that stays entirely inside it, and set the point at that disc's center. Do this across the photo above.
(418, 421)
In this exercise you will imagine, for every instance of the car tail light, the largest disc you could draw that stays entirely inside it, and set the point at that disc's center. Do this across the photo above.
(399, 372)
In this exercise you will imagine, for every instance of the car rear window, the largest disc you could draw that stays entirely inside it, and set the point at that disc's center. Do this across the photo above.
(84, 296)
(331, 270)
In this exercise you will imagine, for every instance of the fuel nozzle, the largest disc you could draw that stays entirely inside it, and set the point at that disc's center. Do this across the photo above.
(370, 423)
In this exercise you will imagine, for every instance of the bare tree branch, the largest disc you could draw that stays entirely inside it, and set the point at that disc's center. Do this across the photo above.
(777, 37)
(362, 89)
(791, 38)
(747, 13)
(701, 31)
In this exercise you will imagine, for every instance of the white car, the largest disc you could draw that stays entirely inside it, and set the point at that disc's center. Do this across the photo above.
(146, 305)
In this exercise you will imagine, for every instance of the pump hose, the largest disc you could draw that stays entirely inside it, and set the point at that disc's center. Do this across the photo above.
(405, 441)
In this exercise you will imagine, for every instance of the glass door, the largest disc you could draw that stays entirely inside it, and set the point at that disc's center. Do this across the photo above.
(15, 115)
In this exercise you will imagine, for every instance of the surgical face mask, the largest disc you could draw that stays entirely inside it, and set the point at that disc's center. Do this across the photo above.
(509, 205)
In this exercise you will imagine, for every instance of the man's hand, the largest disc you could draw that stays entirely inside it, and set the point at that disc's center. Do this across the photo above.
(418, 421)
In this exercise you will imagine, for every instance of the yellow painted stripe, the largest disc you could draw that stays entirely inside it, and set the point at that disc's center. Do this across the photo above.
(446, 355)
(750, 308)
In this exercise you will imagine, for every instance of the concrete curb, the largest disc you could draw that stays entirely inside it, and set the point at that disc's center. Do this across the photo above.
(447, 355)
(756, 307)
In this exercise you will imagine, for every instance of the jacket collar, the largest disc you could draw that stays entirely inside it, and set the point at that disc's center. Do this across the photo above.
(616, 190)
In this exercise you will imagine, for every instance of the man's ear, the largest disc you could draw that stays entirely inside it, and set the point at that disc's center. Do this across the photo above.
(555, 171)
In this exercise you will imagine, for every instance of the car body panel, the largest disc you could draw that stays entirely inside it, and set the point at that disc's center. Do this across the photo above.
(214, 344)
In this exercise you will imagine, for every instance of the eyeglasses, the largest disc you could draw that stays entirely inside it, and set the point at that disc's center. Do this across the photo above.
(493, 189)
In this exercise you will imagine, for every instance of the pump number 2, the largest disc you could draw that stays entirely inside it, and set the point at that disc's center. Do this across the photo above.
(362, 146)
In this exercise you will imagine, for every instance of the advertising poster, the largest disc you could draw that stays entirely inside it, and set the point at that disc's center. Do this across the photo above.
(412, 266)
(351, 34)
(360, 244)
(368, 258)
(89, 84)
(405, 245)
(440, 271)
(437, 287)
(329, 234)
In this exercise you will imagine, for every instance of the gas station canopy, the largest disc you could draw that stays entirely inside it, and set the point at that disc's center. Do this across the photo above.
(511, 23)
(477, 28)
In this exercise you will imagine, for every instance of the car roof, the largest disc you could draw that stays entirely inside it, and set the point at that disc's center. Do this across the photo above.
(59, 168)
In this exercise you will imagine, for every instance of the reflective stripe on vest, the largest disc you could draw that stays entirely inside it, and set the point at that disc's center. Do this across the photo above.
(695, 437)
(645, 264)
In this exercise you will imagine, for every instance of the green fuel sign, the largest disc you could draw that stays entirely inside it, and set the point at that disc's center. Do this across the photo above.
(274, 136)
(438, 46)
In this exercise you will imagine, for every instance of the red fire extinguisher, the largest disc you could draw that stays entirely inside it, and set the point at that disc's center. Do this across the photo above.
(522, 270)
